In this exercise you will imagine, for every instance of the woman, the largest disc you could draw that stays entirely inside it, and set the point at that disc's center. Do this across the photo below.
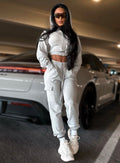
(59, 50)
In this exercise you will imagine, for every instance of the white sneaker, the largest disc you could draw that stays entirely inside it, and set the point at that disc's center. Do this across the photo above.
(65, 152)
(74, 145)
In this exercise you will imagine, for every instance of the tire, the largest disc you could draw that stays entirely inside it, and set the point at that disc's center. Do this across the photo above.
(87, 107)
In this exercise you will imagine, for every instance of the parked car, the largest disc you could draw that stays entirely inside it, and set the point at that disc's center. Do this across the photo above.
(118, 89)
(21, 79)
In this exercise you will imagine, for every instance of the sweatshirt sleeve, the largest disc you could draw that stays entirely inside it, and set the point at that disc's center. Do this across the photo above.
(79, 58)
(42, 54)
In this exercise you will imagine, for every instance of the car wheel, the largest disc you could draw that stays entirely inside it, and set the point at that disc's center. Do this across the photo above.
(87, 107)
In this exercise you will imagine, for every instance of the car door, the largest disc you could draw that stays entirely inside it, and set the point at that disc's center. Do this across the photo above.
(105, 81)
(101, 79)
(92, 63)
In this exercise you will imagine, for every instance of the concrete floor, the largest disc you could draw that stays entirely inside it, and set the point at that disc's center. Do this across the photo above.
(24, 142)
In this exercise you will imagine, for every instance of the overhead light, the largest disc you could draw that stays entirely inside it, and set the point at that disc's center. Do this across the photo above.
(96, 0)
(118, 45)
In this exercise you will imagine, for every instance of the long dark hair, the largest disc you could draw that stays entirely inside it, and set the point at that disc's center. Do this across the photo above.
(68, 33)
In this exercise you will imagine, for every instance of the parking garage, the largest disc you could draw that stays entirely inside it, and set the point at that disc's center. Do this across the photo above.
(22, 138)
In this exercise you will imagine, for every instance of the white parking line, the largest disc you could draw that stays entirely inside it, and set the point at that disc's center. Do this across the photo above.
(109, 147)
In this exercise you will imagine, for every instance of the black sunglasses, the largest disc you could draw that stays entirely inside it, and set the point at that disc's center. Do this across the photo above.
(58, 15)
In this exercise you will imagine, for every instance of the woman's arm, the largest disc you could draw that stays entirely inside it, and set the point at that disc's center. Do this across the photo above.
(42, 54)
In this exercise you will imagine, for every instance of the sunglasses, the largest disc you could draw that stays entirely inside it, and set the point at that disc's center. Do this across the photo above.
(58, 15)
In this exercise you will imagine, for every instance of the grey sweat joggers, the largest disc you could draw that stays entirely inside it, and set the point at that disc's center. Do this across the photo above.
(63, 90)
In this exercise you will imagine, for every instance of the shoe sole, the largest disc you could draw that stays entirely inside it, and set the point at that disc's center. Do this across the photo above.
(63, 159)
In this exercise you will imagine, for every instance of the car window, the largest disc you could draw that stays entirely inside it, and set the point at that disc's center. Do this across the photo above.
(89, 60)
(93, 62)
(99, 64)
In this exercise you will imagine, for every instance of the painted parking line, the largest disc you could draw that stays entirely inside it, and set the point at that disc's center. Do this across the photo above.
(109, 147)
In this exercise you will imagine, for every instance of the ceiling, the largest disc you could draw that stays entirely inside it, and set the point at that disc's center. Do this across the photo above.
(97, 24)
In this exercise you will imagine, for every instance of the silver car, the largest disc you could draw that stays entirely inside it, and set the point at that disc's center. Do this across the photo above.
(21, 79)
